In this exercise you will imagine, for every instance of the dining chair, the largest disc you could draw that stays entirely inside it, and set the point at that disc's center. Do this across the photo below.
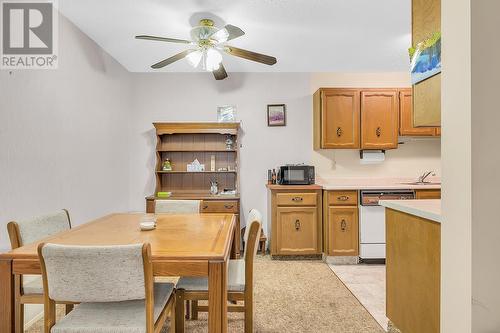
(177, 206)
(240, 281)
(28, 289)
(113, 285)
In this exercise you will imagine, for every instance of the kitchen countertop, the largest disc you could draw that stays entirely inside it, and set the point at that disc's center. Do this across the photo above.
(293, 187)
(376, 184)
(426, 208)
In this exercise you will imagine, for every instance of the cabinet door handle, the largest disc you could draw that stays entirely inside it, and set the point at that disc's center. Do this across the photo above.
(297, 225)
(228, 206)
(205, 207)
(297, 199)
(339, 131)
(378, 131)
(343, 198)
(343, 225)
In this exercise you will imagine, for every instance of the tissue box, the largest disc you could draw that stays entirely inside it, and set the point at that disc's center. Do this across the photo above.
(195, 167)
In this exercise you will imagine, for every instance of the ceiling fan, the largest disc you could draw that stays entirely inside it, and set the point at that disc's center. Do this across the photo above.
(208, 41)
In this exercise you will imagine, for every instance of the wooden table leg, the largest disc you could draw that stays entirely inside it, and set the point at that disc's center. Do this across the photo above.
(6, 296)
(217, 297)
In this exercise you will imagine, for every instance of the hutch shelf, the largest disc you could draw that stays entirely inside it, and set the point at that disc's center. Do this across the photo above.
(210, 143)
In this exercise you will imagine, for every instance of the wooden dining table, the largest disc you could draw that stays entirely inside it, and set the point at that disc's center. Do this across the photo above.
(181, 245)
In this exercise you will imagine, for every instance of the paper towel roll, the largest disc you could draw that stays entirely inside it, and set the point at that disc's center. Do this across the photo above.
(372, 156)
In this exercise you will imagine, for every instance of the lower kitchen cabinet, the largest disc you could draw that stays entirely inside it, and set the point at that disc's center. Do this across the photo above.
(343, 230)
(297, 230)
(341, 223)
(296, 220)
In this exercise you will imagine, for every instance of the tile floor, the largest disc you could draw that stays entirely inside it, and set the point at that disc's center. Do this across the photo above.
(367, 283)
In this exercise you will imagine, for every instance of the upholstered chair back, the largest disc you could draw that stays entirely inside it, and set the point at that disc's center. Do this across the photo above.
(177, 206)
(36, 228)
(93, 273)
(253, 217)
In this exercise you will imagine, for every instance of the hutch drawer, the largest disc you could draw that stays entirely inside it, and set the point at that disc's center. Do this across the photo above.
(219, 206)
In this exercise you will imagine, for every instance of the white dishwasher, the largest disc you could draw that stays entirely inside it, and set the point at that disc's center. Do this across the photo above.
(372, 222)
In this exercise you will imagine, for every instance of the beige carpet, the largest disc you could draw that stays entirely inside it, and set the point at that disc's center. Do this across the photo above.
(295, 296)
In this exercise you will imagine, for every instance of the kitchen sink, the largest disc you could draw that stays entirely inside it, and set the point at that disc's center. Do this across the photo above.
(422, 183)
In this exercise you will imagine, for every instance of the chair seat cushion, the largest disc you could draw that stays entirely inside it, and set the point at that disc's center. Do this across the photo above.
(32, 284)
(113, 317)
(235, 280)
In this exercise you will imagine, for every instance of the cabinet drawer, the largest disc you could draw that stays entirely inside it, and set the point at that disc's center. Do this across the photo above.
(296, 199)
(219, 206)
(343, 198)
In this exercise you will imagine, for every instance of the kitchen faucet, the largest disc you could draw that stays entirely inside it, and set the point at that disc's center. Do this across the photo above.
(424, 176)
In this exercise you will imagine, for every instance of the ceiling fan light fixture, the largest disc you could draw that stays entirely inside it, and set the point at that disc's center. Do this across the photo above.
(220, 36)
(194, 58)
(212, 60)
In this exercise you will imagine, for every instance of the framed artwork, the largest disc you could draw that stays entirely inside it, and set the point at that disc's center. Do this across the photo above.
(226, 113)
(426, 59)
(276, 115)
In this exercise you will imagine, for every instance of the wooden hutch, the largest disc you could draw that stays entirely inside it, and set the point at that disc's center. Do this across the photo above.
(182, 143)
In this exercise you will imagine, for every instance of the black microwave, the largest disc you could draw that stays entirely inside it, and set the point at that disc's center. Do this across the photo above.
(296, 175)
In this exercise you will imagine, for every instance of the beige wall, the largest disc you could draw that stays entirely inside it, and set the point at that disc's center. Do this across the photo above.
(63, 137)
(485, 26)
(456, 168)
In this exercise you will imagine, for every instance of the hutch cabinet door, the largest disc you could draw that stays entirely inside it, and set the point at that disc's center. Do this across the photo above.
(379, 119)
(297, 231)
(340, 118)
(343, 231)
(406, 127)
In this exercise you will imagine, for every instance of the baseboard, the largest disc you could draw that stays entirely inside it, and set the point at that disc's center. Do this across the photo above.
(341, 260)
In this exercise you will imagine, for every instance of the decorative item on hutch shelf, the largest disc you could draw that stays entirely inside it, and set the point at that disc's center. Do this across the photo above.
(195, 166)
(229, 142)
(212, 163)
(269, 177)
(167, 165)
(214, 187)
(276, 115)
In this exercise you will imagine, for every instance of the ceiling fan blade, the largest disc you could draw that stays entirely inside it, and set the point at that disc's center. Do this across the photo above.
(172, 59)
(227, 33)
(220, 74)
(234, 31)
(249, 55)
(163, 39)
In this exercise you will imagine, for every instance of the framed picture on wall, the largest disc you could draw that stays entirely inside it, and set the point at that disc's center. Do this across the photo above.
(276, 115)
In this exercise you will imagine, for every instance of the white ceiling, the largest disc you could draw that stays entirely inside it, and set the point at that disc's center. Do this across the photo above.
(304, 35)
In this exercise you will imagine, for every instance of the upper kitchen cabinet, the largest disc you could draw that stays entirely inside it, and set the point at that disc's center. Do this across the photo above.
(336, 118)
(406, 127)
(379, 119)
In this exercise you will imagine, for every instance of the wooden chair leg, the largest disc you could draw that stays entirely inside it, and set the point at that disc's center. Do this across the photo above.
(19, 316)
(179, 311)
(173, 318)
(18, 306)
(188, 310)
(248, 312)
(194, 310)
(69, 308)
